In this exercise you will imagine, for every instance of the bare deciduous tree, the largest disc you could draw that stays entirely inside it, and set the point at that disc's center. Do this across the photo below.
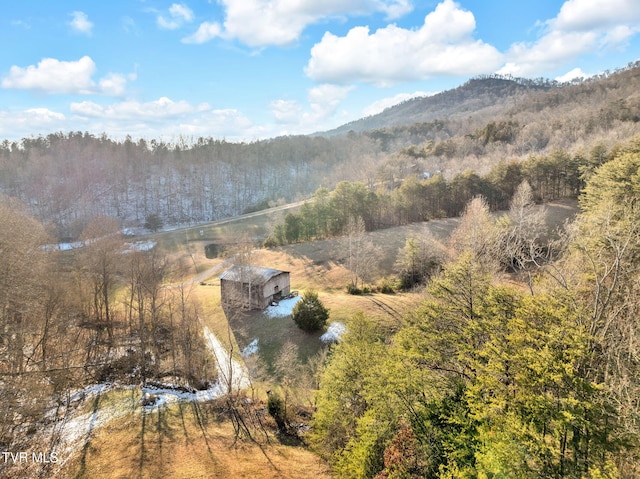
(476, 234)
(103, 246)
(361, 253)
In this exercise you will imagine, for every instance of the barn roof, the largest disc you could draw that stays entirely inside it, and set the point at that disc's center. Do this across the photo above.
(250, 274)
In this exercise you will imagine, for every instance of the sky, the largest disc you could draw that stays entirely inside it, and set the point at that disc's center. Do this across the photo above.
(247, 70)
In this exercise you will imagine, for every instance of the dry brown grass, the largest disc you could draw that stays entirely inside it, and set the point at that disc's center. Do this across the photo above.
(189, 441)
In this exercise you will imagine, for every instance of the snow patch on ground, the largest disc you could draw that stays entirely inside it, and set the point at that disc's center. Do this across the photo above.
(75, 431)
(169, 396)
(334, 332)
(251, 348)
(230, 371)
(131, 247)
(283, 308)
(140, 246)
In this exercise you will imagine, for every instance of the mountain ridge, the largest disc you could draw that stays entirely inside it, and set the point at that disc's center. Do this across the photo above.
(472, 97)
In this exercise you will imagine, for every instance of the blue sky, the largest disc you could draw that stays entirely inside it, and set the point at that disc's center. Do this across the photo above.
(244, 70)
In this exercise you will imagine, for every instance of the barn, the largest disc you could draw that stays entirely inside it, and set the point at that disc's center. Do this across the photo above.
(253, 287)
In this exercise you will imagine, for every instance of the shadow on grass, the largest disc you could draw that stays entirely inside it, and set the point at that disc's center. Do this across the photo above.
(87, 442)
(201, 421)
(142, 442)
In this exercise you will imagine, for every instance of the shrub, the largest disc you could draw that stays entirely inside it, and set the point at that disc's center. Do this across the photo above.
(309, 313)
(387, 286)
(277, 410)
(153, 222)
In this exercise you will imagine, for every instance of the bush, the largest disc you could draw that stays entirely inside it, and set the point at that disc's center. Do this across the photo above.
(153, 222)
(271, 242)
(387, 286)
(309, 313)
(277, 410)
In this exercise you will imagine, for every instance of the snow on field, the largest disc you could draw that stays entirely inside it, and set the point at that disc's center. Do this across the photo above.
(229, 370)
(334, 332)
(283, 308)
(251, 348)
(140, 246)
(75, 430)
(169, 395)
(133, 246)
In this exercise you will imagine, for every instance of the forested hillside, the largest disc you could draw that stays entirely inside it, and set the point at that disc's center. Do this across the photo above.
(479, 95)
(66, 179)
(491, 379)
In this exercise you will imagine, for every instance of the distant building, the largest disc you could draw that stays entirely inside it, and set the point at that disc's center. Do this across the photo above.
(253, 287)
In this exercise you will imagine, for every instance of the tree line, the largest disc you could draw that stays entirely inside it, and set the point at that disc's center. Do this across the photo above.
(490, 379)
(67, 179)
(415, 199)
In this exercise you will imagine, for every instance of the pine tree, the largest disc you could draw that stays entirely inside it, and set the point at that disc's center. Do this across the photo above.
(309, 313)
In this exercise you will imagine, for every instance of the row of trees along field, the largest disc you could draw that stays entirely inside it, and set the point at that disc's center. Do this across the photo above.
(488, 378)
(553, 176)
(71, 319)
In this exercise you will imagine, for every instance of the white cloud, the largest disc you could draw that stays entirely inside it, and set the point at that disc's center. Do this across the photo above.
(581, 26)
(574, 74)
(260, 23)
(618, 36)
(320, 113)
(80, 23)
(228, 123)
(53, 76)
(550, 52)
(584, 15)
(20, 124)
(44, 115)
(222, 123)
(384, 103)
(113, 84)
(64, 77)
(206, 31)
(443, 45)
(127, 110)
(286, 111)
(325, 99)
(179, 14)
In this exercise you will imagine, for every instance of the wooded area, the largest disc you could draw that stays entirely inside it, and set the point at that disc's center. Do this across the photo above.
(102, 315)
(489, 379)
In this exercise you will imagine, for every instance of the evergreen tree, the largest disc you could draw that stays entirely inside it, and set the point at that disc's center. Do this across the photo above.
(309, 313)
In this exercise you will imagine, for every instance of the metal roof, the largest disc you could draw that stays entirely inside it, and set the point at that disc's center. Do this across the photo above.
(250, 274)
